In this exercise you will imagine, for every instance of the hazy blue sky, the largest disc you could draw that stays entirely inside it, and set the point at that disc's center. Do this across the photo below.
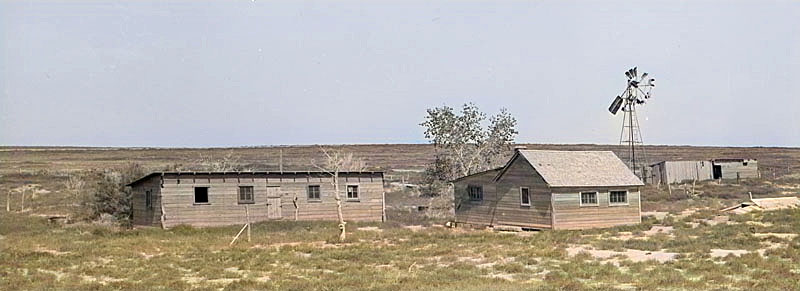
(220, 73)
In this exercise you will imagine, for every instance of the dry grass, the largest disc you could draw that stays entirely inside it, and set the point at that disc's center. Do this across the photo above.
(35, 254)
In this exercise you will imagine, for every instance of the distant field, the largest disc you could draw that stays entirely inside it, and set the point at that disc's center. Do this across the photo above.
(772, 161)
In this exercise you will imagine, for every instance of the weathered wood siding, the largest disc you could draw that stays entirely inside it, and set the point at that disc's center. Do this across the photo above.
(273, 195)
(569, 214)
(141, 214)
(680, 171)
(738, 169)
(509, 209)
(501, 204)
(475, 212)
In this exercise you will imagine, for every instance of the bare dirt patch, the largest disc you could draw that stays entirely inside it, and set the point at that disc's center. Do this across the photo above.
(633, 255)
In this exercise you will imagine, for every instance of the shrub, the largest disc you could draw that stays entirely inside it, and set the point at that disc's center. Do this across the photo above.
(110, 196)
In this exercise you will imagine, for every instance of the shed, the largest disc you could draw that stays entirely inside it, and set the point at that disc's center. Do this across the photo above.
(551, 190)
(222, 198)
(679, 171)
(729, 169)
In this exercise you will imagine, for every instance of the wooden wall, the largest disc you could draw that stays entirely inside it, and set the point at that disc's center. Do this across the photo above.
(501, 204)
(273, 198)
(509, 211)
(141, 214)
(680, 171)
(737, 170)
(569, 214)
(474, 212)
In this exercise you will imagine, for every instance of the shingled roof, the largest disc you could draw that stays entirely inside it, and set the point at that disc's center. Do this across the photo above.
(579, 168)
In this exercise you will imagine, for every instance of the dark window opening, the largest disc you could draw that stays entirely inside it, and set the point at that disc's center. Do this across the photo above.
(246, 195)
(352, 192)
(475, 193)
(200, 195)
(744, 163)
(589, 198)
(313, 192)
(618, 197)
(148, 199)
(524, 196)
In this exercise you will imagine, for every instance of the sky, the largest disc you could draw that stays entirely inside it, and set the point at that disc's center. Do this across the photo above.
(246, 73)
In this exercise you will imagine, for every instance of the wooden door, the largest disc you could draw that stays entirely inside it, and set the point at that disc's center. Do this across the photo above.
(273, 208)
(273, 203)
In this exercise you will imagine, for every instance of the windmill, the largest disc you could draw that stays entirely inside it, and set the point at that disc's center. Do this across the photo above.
(636, 93)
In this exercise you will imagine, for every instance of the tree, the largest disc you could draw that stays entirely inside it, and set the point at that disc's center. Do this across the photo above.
(464, 144)
(227, 163)
(334, 163)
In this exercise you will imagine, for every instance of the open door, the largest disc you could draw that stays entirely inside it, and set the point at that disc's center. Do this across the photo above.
(717, 172)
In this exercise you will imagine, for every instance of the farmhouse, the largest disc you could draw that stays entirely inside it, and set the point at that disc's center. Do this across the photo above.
(551, 189)
(221, 198)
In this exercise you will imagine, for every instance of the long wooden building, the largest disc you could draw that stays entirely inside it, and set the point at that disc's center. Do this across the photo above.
(551, 190)
(222, 198)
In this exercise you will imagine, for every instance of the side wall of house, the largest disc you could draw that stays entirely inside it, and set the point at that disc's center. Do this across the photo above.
(738, 170)
(570, 214)
(475, 212)
(273, 199)
(510, 211)
(143, 215)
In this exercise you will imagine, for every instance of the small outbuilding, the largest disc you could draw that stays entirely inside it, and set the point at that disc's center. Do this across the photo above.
(222, 198)
(668, 172)
(551, 190)
(729, 169)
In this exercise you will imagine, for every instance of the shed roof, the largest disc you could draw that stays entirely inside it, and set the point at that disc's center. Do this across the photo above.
(579, 168)
(247, 173)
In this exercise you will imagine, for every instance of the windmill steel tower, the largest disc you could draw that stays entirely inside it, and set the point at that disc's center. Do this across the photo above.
(636, 92)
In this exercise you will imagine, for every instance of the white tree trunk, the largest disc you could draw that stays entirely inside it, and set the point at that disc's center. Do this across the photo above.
(338, 197)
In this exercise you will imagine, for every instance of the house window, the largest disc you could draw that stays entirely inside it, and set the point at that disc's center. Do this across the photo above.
(744, 163)
(148, 199)
(588, 198)
(200, 195)
(475, 193)
(524, 196)
(352, 192)
(313, 192)
(246, 195)
(618, 197)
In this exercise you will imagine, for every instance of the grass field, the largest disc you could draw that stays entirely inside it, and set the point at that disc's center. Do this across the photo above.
(303, 256)
(692, 248)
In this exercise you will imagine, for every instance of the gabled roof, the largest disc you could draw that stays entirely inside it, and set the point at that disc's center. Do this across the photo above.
(476, 174)
(189, 173)
(578, 168)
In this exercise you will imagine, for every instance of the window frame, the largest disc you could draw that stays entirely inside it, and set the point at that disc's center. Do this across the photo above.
(611, 203)
(480, 193)
(596, 198)
(522, 201)
(319, 193)
(347, 193)
(148, 199)
(194, 195)
(252, 199)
